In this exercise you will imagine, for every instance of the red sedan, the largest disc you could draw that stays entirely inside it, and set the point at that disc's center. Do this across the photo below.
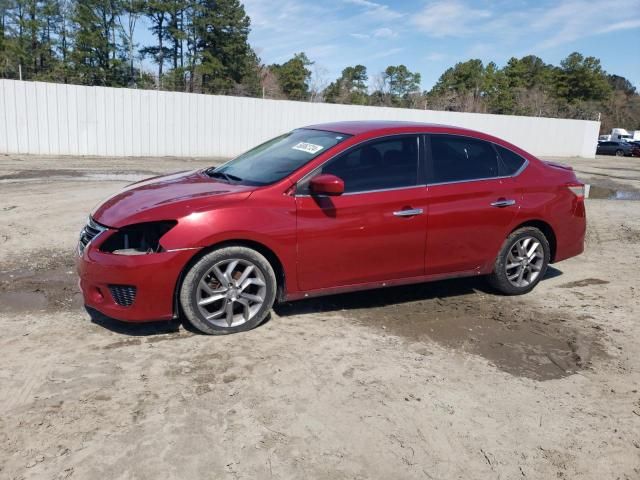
(325, 209)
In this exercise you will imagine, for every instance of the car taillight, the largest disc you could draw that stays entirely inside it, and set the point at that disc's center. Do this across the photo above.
(577, 189)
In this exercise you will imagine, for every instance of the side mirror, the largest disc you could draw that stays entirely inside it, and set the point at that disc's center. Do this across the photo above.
(326, 184)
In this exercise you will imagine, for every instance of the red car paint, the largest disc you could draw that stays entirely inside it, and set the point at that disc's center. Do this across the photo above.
(324, 245)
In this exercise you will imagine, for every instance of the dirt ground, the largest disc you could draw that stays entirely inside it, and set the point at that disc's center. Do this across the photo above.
(436, 381)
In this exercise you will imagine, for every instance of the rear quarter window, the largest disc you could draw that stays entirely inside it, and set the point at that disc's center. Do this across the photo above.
(511, 160)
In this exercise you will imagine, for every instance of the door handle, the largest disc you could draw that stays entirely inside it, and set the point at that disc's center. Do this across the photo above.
(408, 213)
(503, 203)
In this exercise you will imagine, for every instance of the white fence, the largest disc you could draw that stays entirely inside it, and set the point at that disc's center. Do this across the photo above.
(55, 119)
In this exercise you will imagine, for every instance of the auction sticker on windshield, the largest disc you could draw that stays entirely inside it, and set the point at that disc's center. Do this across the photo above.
(307, 147)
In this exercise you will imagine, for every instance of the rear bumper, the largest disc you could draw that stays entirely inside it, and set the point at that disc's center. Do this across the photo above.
(154, 276)
(570, 233)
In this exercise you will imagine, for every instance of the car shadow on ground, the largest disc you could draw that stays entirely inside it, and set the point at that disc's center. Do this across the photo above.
(347, 301)
(161, 327)
(382, 297)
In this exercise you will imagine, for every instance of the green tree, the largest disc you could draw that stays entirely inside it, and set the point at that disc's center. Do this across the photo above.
(496, 91)
(397, 86)
(293, 76)
(29, 38)
(350, 88)
(618, 83)
(157, 13)
(4, 40)
(225, 58)
(169, 23)
(131, 12)
(462, 87)
(528, 72)
(94, 56)
(401, 82)
(581, 79)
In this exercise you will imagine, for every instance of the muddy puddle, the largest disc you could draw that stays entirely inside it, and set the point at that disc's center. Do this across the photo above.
(515, 337)
(511, 333)
(46, 282)
(606, 193)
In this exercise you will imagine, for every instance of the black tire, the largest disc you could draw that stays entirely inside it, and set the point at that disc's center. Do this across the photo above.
(189, 290)
(499, 279)
(619, 153)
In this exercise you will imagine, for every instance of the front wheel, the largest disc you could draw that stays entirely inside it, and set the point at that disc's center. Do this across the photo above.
(229, 290)
(522, 262)
(619, 153)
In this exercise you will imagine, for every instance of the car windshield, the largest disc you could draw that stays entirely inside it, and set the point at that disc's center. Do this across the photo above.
(277, 158)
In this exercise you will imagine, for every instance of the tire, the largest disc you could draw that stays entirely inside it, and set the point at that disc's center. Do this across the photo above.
(619, 153)
(221, 278)
(506, 277)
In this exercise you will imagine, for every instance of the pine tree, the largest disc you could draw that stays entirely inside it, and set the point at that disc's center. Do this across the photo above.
(293, 76)
(95, 52)
(221, 29)
(350, 88)
(4, 58)
(157, 12)
(131, 12)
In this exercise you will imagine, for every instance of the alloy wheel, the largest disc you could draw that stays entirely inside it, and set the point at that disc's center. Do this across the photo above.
(524, 262)
(231, 293)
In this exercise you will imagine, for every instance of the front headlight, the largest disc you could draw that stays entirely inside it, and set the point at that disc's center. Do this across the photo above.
(138, 239)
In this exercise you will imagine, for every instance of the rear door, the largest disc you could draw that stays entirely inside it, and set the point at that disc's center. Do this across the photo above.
(375, 231)
(471, 203)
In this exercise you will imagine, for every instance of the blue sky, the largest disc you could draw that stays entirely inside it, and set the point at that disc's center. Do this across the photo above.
(430, 36)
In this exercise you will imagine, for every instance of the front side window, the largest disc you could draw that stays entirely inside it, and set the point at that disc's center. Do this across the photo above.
(277, 158)
(455, 158)
(378, 165)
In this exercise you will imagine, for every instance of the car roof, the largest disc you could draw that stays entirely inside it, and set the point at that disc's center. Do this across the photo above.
(373, 126)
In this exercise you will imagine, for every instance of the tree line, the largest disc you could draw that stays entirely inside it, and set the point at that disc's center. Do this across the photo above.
(202, 46)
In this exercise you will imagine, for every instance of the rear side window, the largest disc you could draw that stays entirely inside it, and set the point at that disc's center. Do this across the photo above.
(456, 158)
(379, 165)
(512, 161)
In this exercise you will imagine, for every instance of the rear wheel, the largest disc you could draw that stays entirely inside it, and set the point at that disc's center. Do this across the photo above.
(229, 290)
(619, 153)
(522, 262)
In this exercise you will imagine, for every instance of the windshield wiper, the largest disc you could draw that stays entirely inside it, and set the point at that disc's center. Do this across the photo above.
(226, 176)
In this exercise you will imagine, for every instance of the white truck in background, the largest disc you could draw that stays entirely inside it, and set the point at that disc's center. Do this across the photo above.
(620, 135)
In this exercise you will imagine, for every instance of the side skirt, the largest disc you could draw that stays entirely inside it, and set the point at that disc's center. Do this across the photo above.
(379, 284)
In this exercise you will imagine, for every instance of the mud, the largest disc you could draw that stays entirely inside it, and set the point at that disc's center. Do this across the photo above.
(461, 314)
(47, 175)
(599, 192)
(444, 380)
(46, 281)
(583, 283)
(465, 315)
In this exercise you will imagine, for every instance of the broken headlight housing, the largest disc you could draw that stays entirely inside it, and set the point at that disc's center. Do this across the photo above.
(138, 239)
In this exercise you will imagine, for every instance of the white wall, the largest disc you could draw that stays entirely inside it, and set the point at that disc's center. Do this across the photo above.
(47, 118)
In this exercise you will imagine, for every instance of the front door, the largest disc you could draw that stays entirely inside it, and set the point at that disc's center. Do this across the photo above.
(375, 231)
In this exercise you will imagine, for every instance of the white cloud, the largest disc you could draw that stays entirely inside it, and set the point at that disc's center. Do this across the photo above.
(387, 53)
(379, 10)
(449, 18)
(384, 32)
(577, 19)
(359, 36)
(542, 27)
(435, 56)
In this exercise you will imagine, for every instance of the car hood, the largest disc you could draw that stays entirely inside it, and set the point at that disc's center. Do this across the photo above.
(168, 197)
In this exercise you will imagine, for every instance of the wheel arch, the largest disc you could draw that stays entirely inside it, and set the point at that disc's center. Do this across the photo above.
(546, 229)
(261, 248)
